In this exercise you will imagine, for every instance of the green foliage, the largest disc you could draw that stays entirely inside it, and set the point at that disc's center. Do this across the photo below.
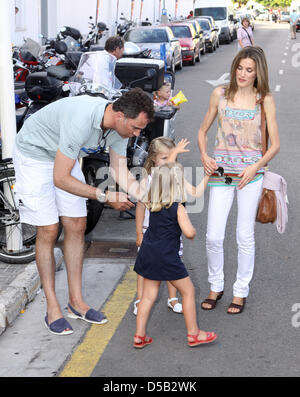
(275, 3)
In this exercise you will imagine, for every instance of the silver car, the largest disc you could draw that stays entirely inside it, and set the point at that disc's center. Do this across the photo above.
(284, 16)
(151, 37)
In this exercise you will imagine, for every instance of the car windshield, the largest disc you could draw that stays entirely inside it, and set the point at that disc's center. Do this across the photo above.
(181, 31)
(147, 36)
(204, 25)
(218, 13)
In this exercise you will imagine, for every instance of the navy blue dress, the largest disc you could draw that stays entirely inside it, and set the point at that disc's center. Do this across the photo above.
(158, 257)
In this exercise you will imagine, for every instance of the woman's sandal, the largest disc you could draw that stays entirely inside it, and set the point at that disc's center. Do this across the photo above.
(212, 302)
(210, 337)
(236, 306)
(143, 342)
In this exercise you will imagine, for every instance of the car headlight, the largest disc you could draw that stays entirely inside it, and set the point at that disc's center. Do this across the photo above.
(155, 53)
(187, 48)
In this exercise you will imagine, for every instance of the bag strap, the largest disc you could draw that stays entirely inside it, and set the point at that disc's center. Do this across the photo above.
(248, 36)
(264, 127)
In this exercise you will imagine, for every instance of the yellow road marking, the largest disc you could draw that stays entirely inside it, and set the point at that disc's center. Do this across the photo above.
(88, 353)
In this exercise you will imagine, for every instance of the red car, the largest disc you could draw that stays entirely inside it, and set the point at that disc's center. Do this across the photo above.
(189, 41)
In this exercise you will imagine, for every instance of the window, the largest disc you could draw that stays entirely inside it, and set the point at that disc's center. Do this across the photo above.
(147, 36)
(19, 15)
(204, 25)
(218, 13)
(181, 31)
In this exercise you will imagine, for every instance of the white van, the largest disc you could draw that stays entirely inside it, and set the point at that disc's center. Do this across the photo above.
(223, 13)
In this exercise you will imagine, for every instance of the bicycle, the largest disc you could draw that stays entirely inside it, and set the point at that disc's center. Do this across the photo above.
(12, 231)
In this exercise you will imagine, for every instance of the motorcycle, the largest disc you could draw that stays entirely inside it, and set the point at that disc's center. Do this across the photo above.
(124, 26)
(76, 42)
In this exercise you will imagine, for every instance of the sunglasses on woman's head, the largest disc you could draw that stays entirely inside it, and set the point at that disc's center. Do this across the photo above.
(227, 179)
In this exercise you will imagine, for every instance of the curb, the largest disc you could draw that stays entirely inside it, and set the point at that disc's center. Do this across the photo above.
(21, 291)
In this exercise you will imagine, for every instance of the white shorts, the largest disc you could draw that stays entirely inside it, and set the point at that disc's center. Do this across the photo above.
(40, 203)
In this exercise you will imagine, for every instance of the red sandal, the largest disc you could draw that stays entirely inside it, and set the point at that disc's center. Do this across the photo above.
(143, 342)
(210, 337)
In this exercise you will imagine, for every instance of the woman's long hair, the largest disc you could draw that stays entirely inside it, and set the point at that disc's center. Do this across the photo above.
(167, 187)
(261, 82)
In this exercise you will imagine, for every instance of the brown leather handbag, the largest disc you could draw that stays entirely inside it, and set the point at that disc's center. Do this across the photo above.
(267, 207)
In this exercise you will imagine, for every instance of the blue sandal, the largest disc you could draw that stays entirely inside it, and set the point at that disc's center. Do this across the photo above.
(91, 316)
(59, 327)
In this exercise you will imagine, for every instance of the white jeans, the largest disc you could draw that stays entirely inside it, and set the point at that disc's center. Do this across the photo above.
(220, 202)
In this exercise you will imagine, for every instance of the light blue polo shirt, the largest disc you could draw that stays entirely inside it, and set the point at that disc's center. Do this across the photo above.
(71, 125)
(294, 17)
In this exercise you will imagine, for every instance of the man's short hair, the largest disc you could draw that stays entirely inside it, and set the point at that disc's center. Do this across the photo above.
(114, 42)
(133, 102)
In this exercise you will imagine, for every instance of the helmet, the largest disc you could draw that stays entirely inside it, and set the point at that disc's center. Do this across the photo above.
(101, 26)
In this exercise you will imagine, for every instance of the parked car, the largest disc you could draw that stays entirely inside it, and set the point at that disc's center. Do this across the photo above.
(151, 37)
(213, 24)
(284, 16)
(199, 31)
(210, 35)
(298, 25)
(264, 16)
(189, 41)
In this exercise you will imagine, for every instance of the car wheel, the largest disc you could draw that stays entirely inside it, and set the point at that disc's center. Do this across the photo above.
(180, 64)
(198, 57)
(193, 61)
(210, 47)
(203, 51)
(228, 41)
(218, 43)
(173, 65)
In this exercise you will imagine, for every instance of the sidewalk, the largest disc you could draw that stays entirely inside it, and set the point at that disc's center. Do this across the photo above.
(111, 239)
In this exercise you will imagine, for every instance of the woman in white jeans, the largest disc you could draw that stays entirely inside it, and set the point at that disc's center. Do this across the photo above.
(238, 150)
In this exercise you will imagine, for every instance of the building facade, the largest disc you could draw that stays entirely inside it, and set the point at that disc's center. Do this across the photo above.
(35, 17)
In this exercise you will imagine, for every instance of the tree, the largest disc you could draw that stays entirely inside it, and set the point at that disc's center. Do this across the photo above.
(275, 3)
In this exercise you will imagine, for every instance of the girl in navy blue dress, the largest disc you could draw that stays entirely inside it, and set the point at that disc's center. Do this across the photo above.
(158, 257)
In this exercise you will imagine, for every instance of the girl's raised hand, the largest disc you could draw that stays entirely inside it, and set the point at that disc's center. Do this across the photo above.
(179, 148)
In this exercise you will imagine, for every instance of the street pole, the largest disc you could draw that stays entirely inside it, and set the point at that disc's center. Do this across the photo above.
(7, 110)
(97, 11)
(117, 16)
(7, 99)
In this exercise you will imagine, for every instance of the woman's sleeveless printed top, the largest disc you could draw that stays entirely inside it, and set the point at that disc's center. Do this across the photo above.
(238, 141)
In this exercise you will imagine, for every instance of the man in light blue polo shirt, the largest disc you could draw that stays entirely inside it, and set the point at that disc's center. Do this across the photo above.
(293, 20)
(50, 183)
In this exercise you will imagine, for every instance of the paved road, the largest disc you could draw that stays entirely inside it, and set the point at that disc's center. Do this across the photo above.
(260, 342)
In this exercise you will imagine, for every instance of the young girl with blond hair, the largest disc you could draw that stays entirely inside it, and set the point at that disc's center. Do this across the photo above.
(158, 258)
(159, 153)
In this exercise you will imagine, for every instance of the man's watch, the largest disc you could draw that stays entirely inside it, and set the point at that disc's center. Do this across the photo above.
(102, 197)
